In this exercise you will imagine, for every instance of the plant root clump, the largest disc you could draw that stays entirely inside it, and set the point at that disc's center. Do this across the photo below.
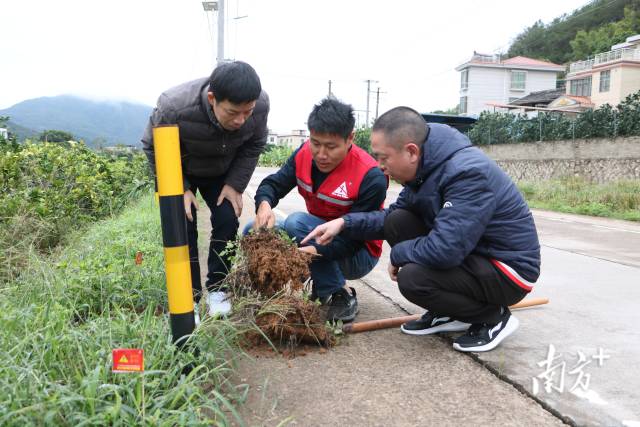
(288, 319)
(268, 282)
(274, 264)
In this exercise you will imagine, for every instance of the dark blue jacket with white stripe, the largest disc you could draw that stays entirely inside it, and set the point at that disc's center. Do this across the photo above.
(468, 202)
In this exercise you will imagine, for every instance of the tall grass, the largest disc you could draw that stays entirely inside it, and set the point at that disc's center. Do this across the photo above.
(575, 195)
(64, 315)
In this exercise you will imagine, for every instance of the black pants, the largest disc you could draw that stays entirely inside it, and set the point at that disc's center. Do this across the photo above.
(224, 227)
(473, 292)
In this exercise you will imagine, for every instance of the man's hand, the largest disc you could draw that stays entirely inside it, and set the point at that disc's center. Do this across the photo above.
(264, 217)
(324, 233)
(190, 199)
(229, 193)
(393, 272)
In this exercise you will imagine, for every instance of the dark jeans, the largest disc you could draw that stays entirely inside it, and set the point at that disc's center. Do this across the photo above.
(473, 292)
(224, 226)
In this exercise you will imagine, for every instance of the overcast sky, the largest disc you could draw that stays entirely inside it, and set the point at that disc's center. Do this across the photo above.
(135, 49)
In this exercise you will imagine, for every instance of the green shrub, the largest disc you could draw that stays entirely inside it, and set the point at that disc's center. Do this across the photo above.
(362, 138)
(604, 122)
(274, 156)
(47, 189)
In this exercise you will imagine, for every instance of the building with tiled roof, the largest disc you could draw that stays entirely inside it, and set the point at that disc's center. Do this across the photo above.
(608, 77)
(487, 80)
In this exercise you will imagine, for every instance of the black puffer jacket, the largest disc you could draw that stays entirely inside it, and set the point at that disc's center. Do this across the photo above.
(207, 149)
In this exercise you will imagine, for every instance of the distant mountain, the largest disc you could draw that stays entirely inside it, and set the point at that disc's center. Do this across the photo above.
(95, 122)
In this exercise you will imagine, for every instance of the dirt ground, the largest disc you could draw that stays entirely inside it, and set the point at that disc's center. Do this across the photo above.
(380, 378)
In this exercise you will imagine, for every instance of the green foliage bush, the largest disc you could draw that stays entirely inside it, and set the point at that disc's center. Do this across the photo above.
(47, 189)
(362, 138)
(606, 121)
(274, 156)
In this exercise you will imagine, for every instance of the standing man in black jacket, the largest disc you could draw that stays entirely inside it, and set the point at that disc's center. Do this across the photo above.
(223, 130)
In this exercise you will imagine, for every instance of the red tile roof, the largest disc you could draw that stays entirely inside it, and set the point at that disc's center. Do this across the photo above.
(523, 60)
(584, 100)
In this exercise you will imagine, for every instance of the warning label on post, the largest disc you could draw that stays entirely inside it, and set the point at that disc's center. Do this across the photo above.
(128, 360)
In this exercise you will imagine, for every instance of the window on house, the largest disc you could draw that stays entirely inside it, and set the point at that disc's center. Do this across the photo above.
(463, 105)
(518, 80)
(605, 81)
(580, 87)
(464, 79)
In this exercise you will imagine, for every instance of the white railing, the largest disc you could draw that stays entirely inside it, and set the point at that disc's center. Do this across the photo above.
(602, 58)
(615, 55)
(486, 58)
(581, 65)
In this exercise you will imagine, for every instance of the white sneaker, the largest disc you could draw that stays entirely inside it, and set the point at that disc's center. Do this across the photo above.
(196, 314)
(219, 304)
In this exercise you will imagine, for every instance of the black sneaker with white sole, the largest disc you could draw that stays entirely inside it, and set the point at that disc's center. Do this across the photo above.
(343, 306)
(432, 323)
(483, 337)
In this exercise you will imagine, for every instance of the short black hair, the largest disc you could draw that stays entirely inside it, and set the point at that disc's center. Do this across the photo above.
(332, 117)
(401, 124)
(236, 82)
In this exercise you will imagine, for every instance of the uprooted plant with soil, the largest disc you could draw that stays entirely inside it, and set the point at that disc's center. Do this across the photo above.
(268, 283)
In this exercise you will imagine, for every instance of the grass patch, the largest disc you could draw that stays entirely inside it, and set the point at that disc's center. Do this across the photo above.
(63, 316)
(619, 200)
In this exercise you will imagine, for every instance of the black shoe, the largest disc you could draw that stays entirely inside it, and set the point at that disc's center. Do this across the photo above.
(343, 306)
(432, 323)
(483, 337)
(313, 296)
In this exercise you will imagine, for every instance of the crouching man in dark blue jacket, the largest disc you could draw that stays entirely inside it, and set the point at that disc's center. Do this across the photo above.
(464, 243)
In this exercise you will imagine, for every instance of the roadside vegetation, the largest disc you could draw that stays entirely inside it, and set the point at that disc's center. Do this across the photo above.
(603, 122)
(66, 312)
(49, 189)
(274, 156)
(619, 200)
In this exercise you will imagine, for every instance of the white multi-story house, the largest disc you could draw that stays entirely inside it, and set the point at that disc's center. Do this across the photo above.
(608, 77)
(488, 79)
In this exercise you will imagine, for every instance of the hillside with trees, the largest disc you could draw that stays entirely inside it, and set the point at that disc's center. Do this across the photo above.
(97, 123)
(586, 31)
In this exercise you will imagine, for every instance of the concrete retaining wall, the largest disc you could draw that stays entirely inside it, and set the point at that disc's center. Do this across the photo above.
(597, 160)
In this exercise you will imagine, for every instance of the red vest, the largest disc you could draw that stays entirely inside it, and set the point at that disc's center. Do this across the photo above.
(339, 190)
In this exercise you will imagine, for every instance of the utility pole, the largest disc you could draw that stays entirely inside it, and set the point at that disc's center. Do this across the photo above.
(330, 88)
(377, 101)
(220, 56)
(368, 91)
(217, 6)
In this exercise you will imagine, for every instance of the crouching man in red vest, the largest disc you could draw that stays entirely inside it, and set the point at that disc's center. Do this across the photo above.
(335, 177)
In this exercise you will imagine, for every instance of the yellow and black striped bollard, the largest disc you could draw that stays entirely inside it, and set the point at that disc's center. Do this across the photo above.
(166, 141)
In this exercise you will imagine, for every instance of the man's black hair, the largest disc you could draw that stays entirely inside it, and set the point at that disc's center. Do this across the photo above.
(332, 117)
(236, 82)
(401, 125)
